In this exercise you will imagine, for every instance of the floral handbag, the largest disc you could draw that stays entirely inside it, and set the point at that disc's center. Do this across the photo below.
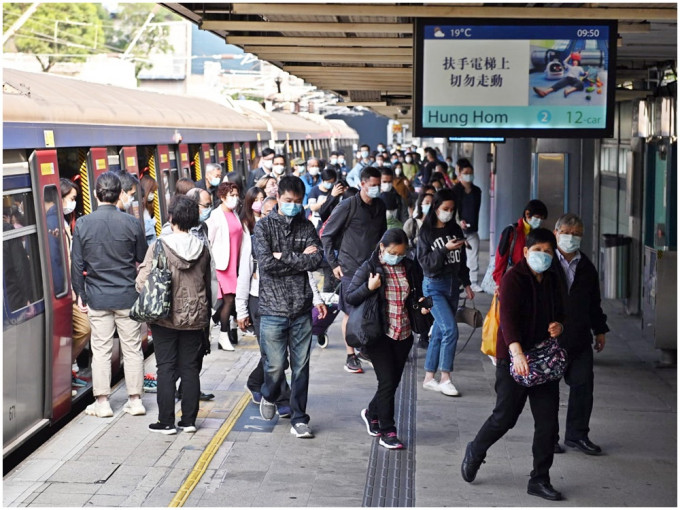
(547, 362)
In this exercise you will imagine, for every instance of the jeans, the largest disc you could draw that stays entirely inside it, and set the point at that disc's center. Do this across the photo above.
(544, 400)
(580, 378)
(389, 359)
(278, 337)
(179, 353)
(473, 256)
(256, 377)
(442, 348)
(103, 324)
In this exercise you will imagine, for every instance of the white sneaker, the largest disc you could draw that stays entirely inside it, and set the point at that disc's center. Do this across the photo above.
(75, 368)
(134, 407)
(224, 343)
(476, 288)
(100, 410)
(447, 388)
(432, 385)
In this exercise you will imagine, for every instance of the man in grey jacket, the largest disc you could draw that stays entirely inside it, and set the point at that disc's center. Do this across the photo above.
(287, 246)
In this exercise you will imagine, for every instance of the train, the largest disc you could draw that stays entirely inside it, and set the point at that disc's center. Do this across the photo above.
(59, 127)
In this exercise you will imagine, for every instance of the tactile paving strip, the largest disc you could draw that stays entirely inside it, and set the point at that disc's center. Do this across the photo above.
(391, 473)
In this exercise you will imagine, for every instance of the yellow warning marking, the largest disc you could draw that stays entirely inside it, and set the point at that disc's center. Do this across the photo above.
(48, 135)
(84, 182)
(204, 460)
(47, 168)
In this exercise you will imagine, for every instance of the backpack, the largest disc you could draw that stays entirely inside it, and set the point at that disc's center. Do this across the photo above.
(337, 241)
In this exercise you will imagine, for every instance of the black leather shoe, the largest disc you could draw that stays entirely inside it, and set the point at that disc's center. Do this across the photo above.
(233, 336)
(544, 490)
(585, 445)
(206, 396)
(558, 448)
(470, 465)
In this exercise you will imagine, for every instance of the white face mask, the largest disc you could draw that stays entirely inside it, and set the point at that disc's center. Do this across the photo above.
(534, 222)
(267, 163)
(313, 170)
(70, 207)
(397, 172)
(279, 169)
(127, 201)
(445, 216)
(341, 160)
(232, 202)
(569, 243)
(409, 159)
(385, 187)
(334, 161)
(151, 196)
(467, 177)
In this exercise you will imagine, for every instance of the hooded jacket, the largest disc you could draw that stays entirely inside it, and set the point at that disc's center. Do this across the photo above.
(284, 283)
(189, 263)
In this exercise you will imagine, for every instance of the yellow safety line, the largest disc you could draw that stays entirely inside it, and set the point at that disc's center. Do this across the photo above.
(204, 460)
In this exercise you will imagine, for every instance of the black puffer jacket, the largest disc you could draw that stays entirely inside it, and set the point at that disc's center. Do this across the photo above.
(284, 283)
(358, 290)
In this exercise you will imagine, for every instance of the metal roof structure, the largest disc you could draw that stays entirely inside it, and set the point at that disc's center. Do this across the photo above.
(364, 51)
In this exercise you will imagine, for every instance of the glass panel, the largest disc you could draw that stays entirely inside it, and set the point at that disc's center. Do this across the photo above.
(660, 202)
(55, 232)
(551, 168)
(18, 209)
(21, 270)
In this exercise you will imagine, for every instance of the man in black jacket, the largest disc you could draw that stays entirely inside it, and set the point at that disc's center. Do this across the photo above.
(584, 318)
(265, 168)
(468, 204)
(211, 181)
(106, 245)
(287, 246)
(354, 230)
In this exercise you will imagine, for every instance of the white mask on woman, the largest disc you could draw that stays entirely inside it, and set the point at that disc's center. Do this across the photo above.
(445, 216)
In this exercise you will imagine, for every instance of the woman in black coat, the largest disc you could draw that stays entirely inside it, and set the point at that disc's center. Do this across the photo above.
(398, 282)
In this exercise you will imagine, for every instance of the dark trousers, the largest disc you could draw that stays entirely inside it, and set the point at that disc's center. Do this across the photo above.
(568, 80)
(389, 358)
(580, 378)
(179, 353)
(510, 399)
(256, 377)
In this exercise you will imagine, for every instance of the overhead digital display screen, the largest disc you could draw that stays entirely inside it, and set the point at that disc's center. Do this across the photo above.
(512, 78)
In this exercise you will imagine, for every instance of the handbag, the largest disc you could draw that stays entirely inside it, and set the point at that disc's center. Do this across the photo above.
(155, 299)
(364, 326)
(547, 362)
(470, 316)
(490, 328)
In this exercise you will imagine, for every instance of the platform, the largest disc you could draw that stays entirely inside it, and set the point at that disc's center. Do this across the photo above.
(118, 462)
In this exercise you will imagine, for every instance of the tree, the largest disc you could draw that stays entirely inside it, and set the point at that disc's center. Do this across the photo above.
(56, 32)
(129, 20)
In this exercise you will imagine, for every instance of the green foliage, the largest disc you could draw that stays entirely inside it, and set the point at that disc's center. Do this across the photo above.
(78, 31)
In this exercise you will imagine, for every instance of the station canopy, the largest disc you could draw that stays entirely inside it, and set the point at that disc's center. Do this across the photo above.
(364, 52)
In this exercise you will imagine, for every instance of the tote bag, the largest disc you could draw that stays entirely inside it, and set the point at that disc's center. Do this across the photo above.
(155, 299)
(490, 328)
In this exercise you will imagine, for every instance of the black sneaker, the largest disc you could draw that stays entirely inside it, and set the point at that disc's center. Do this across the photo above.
(364, 357)
(372, 426)
(391, 441)
(205, 397)
(163, 429)
(322, 340)
(423, 342)
(353, 365)
(186, 427)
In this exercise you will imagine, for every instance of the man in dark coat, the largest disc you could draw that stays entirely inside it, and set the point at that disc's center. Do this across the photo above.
(584, 319)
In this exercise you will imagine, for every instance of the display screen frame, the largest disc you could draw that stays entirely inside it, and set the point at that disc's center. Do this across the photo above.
(512, 132)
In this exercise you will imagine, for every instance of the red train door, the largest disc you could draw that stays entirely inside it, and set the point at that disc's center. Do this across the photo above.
(184, 163)
(97, 163)
(57, 286)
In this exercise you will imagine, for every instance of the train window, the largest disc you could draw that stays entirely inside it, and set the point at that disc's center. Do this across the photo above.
(21, 269)
(55, 233)
(18, 209)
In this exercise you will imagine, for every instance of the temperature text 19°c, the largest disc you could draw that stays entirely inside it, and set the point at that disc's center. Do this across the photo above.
(461, 32)
(578, 118)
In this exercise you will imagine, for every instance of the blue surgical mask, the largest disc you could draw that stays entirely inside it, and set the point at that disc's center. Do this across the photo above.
(205, 215)
(373, 191)
(539, 261)
(391, 260)
(326, 185)
(364, 154)
(425, 208)
(534, 222)
(568, 243)
(290, 208)
(467, 177)
(215, 182)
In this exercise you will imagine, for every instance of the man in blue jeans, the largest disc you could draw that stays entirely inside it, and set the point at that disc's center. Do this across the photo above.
(287, 246)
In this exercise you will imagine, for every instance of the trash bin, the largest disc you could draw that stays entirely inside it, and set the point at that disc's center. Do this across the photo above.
(615, 265)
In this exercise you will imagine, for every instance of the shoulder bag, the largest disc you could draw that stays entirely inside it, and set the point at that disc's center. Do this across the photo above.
(155, 299)
(547, 362)
(364, 326)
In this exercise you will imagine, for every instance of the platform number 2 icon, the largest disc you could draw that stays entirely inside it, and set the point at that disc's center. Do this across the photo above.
(544, 116)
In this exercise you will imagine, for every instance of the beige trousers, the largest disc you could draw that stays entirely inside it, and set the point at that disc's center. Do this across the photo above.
(81, 332)
(103, 324)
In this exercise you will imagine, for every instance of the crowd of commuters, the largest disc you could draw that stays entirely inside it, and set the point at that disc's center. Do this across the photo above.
(397, 228)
